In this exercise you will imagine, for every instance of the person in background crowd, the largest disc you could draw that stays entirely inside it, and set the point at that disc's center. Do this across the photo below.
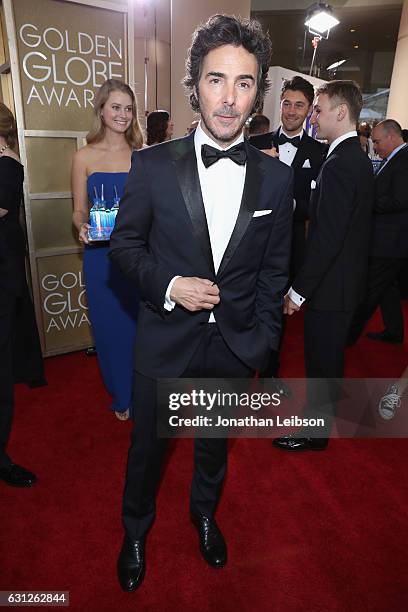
(405, 135)
(159, 127)
(99, 172)
(304, 154)
(210, 258)
(331, 281)
(389, 243)
(20, 351)
(391, 401)
(364, 134)
(258, 124)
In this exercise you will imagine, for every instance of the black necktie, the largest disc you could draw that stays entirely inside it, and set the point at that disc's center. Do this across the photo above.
(210, 155)
(283, 139)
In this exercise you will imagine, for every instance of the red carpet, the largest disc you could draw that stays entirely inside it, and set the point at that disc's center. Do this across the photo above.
(312, 532)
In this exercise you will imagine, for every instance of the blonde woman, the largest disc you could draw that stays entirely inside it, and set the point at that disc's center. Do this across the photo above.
(99, 171)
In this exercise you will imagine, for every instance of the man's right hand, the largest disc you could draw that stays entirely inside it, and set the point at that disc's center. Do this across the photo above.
(195, 293)
(272, 152)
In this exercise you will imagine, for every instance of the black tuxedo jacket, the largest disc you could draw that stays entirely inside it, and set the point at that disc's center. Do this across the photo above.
(390, 221)
(333, 275)
(161, 231)
(309, 149)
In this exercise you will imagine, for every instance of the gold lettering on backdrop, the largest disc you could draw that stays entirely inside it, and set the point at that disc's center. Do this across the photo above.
(64, 301)
(63, 73)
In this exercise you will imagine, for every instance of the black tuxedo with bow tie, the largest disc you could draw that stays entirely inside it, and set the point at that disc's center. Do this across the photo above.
(161, 231)
(306, 165)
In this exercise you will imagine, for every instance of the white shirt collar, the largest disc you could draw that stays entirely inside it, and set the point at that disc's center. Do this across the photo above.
(282, 131)
(395, 151)
(200, 138)
(339, 140)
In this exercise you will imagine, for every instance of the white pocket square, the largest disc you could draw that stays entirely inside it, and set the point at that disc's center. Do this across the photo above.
(261, 213)
(313, 185)
(306, 164)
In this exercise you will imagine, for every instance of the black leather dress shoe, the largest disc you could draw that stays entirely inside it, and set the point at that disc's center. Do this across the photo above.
(17, 476)
(291, 443)
(212, 543)
(385, 336)
(131, 564)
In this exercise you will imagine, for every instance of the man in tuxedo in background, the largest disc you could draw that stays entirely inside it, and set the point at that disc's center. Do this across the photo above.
(332, 279)
(305, 155)
(389, 243)
(298, 150)
(208, 246)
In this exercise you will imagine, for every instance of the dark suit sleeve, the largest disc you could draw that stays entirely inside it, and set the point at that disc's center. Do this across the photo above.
(129, 243)
(273, 275)
(335, 207)
(396, 199)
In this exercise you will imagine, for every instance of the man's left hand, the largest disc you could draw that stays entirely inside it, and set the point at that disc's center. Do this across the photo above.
(289, 306)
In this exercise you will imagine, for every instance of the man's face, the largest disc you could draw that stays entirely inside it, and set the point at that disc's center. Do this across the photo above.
(295, 108)
(324, 118)
(383, 142)
(226, 91)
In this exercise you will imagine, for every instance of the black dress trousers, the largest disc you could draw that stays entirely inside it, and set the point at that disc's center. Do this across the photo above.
(212, 359)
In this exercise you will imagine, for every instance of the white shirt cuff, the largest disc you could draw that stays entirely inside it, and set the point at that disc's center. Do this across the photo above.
(169, 304)
(295, 297)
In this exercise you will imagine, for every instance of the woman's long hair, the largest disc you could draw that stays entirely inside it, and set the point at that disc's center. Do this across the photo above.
(8, 126)
(133, 134)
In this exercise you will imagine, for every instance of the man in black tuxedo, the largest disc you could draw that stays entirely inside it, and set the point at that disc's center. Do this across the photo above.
(332, 278)
(305, 155)
(208, 246)
(298, 150)
(389, 243)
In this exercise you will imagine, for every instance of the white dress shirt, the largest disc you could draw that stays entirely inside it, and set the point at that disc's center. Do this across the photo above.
(294, 296)
(287, 151)
(391, 155)
(222, 186)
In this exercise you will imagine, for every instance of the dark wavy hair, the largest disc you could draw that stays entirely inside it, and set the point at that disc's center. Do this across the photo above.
(228, 30)
(156, 126)
(298, 83)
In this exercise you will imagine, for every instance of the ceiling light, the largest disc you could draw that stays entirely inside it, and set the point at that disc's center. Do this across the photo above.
(336, 64)
(320, 19)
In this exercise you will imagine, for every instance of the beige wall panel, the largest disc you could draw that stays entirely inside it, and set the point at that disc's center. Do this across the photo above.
(52, 224)
(49, 163)
(397, 102)
(186, 15)
(64, 305)
(66, 51)
(152, 18)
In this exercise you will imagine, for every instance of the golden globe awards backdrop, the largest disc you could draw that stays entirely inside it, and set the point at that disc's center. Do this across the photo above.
(61, 52)
(66, 51)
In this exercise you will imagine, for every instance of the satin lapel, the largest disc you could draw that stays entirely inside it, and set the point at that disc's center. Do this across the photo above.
(301, 154)
(185, 164)
(250, 198)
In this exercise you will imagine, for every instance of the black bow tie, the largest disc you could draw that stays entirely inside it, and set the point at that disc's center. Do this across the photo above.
(210, 155)
(293, 141)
